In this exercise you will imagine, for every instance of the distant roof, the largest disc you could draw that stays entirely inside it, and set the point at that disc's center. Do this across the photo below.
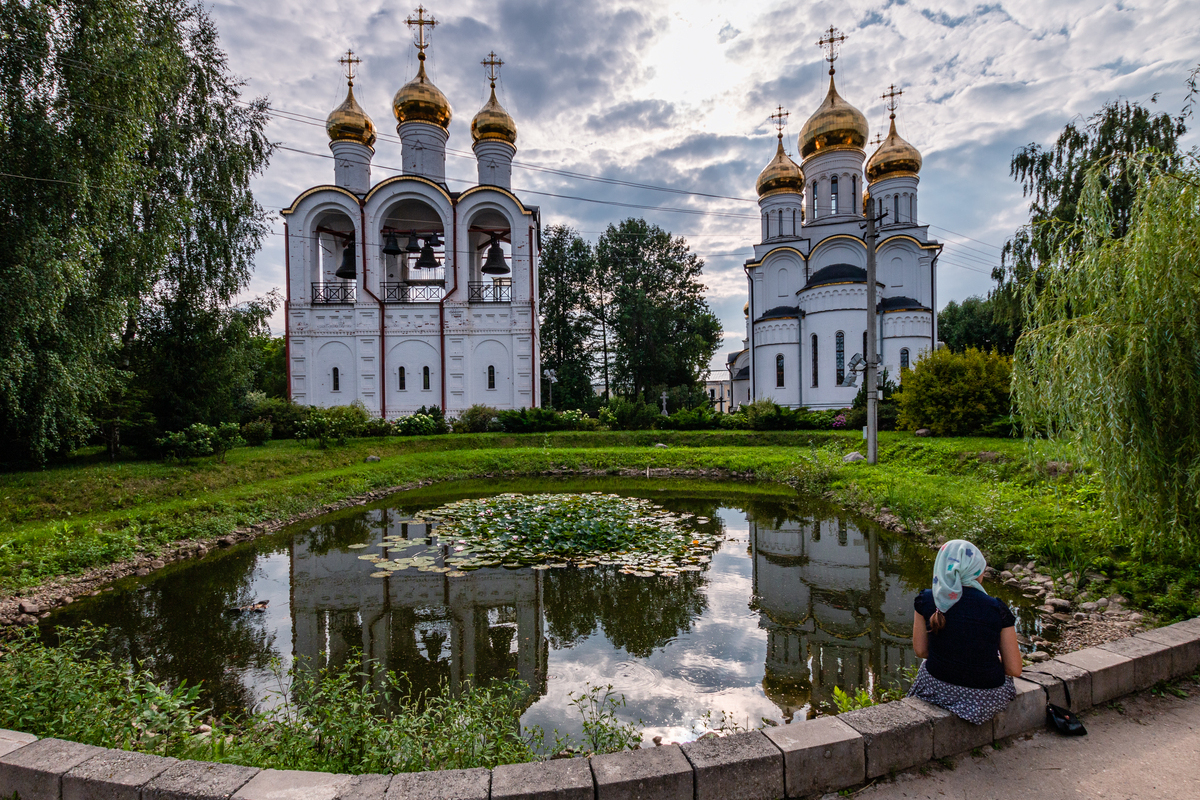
(733, 356)
(779, 312)
(836, 273)
(743, 374)
(900, 303)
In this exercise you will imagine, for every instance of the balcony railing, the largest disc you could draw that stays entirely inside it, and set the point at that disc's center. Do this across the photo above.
(406, 293)
(333, 293)
(489, 291)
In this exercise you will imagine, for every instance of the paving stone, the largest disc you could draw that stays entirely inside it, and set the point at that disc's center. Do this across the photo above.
(366, 787)
(651, 773)
(1112, 675)
(113, 775)
(1025, 713)
(292, 784)
(1151, 660)
(448, 784)
(1053, 674)
(34, 772)
(562, 779)
(897, 736)
(819, 755)
(13, 740)
(743, 766)
(1184, 644)
(198, 780)
(952, 734)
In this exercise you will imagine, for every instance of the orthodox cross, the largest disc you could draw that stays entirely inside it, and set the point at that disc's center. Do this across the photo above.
(492, 63)
(421, 23)
(890, 95)
(350, 62)
(779, 119)
(664, 399)
(878, 140)
(831, 41)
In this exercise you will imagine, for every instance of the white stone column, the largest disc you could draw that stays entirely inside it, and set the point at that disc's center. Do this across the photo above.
(495, 158)
(352, 166)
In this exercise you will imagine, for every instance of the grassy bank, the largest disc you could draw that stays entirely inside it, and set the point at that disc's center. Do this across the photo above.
(1014, 500)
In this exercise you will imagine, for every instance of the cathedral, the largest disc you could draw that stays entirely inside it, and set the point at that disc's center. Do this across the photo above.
(807, 313)
(403, 294)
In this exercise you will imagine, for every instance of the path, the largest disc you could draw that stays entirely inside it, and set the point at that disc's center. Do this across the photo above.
(1147, 747)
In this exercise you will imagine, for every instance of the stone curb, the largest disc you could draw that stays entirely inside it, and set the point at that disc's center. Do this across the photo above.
(805, 758)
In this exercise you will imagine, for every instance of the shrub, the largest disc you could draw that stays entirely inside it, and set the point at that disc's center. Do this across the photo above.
(199, 440)
(764, 415)
(257, 432)
(955, 394)
(477, 419)
(438, 417)
(530, 420)
(417, 424)
(326, 426)
(700, 418)
(376, 426)
(629, 415)
(286, 417)
(577, 420)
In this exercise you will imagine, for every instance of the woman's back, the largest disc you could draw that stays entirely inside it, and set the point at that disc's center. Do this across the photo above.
(966, 652)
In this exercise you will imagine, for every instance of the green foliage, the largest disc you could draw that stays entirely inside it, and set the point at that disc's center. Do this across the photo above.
(603, 732)
(284, 415)
(954, 394)
(131, 155)
(418, 424)
(201, 440)
(850, 702)
(886, 412)
(477, 419)
(700, 418)
(332, 425)
(1109, 361)
(270, 367)
(765, 415)
(629, 415)
(530, 420)
(576, 420)
(566, 280)
(257, 432)
(972, 323)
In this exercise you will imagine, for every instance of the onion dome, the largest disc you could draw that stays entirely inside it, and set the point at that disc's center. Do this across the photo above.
(420, 101)
(781, 175)
(746, 308)
(349, 123)
(493, 122)
(894, 157)
(835, 124)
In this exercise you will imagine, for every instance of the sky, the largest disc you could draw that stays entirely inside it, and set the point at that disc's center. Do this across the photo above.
(677, 94)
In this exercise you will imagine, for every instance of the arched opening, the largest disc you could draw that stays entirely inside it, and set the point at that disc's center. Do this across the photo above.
(840, 356)
(854, 194)
(337, 380)
(335, 263)
(489, 238)
(813, 201)
(403, 387)
(833, 195)
(895, 208)
(425, 379)
(815, 373)
(779, 371)
(413, 253)
(491, 377)
(904, 364)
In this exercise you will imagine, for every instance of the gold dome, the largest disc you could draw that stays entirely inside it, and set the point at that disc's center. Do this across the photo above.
(894, 157)
(349, 123)
(746, 308)
(835, 124)
(420, 101)
(493, 122)
(781, 175)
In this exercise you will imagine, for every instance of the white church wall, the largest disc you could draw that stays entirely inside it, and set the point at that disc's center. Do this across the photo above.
(826, 324)
(820, 169)
(490, 377)
(414, 354)
(837, 250)
(329, 389)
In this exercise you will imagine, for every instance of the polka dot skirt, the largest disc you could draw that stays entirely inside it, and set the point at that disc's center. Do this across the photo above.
(973, 705)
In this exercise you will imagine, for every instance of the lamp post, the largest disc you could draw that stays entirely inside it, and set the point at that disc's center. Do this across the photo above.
(551, 379)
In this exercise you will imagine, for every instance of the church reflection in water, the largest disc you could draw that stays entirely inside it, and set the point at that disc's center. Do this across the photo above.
(828, 595)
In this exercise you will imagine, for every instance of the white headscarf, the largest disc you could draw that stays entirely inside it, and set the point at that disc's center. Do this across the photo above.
(959, 564)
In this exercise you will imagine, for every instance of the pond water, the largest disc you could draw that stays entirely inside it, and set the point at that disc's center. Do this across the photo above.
(799, 597)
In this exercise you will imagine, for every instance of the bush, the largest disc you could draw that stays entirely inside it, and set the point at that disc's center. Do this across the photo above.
(478, 419)
(376, 426)
(700, 418)
(530, 420)
(955, 394)
(201, 440)
(258, 432)
(629, 415)
(418, 424)
(578, 420)
(326, 426)
(439, 418)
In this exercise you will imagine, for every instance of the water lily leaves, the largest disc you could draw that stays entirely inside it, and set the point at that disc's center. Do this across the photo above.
(368, 557)
(357, 546)
(381, 574)
(456, 574)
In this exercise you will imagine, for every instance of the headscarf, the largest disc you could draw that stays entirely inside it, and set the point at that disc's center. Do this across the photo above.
(959, 564)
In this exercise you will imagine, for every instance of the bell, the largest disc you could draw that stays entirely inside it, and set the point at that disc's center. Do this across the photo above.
(426, 261)
(414, 245)
(434, 241)
(391, 247)
(495, 264)
(346, 270)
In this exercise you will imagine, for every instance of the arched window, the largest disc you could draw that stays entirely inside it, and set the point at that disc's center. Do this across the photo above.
(402, 386)
(833, 195)
(895, 208)
(425, 378)
(779, 371)
(839, 344)
(337, 380)
(814, 360)
(766, 234)
(793, 222)
(712, 394)
(813, 202)
(491, 377)
(854, 193)
(780, 232)
(912, 208)
(904, 358)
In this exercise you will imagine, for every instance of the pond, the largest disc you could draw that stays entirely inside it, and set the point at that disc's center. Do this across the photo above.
(785, 599)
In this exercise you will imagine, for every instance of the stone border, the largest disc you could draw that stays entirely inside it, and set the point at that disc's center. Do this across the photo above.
(804, 758)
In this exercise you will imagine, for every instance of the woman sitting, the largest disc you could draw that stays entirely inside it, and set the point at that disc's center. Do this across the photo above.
(968, 640)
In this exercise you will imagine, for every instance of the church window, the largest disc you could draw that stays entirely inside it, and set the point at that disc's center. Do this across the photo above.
(491, 377)
(781, 222)
(337, 380)
(425, 378)
(712, 394)
(793, 222)
(766, 234)
(912, 208)
(814, 360)
(402, 387)
(779, 371)
(895, 208)
(813, 203)
(854, 193)
(833, 195)
(839, 344)
(904, 358)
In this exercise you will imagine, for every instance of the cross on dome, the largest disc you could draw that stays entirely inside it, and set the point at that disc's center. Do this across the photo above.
(779, 119)
(891, 96)
(492, 63)
(878, 140)
(831, 42)
(420, 24)
(350, 61)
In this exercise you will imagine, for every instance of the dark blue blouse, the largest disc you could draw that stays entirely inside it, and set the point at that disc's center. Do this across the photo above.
(967, 651)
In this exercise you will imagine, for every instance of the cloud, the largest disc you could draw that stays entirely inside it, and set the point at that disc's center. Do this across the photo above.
(728, 33)
(643, 114)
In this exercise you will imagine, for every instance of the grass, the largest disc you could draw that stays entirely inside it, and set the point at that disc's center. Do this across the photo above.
(1018, 503)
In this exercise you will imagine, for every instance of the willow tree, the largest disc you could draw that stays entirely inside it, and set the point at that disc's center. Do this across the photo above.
(1111, 355)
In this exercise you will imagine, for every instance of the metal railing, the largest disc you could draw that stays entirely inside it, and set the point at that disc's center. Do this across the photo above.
(490, 291)
(406, 293)
(333, 293)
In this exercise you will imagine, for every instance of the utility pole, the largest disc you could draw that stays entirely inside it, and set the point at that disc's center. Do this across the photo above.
(872, 345)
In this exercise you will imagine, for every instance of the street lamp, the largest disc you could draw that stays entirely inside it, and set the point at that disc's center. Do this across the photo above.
(553, 379)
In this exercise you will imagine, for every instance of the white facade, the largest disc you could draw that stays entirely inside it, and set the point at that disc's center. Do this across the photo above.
(398, 335)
